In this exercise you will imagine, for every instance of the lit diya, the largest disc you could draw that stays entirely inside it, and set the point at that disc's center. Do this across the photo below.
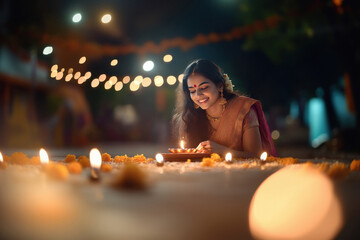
(182, 149)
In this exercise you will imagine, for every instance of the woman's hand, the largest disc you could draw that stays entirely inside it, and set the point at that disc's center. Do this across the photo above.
(209, 147)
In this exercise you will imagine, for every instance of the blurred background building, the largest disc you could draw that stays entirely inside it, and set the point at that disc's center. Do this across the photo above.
(75, 73)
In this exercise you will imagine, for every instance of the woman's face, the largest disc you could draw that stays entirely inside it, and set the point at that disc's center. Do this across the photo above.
(203, 91)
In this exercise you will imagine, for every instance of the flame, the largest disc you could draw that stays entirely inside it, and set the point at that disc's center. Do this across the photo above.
(263, 156)
(44, 158)
(159, 158)
(228, 157)
(182, 144)
(95, 158)
(1, 157)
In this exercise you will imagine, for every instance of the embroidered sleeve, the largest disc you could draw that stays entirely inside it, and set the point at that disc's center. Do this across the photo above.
(251, 120)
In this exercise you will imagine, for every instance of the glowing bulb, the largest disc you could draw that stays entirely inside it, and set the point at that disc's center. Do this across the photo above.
(44, 158)
(148, 66)
(76, 18)
(54, 67)
(95, 158)
(146, 82)
(181, 77)
(68, 77)
(159, 81)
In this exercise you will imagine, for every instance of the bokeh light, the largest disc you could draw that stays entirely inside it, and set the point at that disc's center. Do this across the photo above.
(48, 50)
(126, 79)
(146, 82)
(138, 79)
(106, 18)
(77, 75)
(81, 80)
(158, 81)
(118, 86)
(113, 80)
(107, 85)
(71, 70)
(95, 82)
(102, 77)
(53, 73)
(171, 80)
(148, 66)
(87, 75)
(68, 77)
(275, 134)
(82, 60)
(54, 67)
(295, 203)
(167, 58)
(114, 62)
(77, 18)
(134, 87)
(181, 77)
(59, 75)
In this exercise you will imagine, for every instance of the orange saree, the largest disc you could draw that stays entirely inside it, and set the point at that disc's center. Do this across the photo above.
(231, 128)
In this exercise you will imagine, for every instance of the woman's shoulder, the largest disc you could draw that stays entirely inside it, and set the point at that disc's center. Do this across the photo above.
(243, 100)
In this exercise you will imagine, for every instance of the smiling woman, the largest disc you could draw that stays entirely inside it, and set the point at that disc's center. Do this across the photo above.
(212, 117)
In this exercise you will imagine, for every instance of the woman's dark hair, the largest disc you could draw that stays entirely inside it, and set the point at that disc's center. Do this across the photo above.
(189, 122)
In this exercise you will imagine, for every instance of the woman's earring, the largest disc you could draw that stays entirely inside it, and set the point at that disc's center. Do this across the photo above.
(222, 100)
(196, 106)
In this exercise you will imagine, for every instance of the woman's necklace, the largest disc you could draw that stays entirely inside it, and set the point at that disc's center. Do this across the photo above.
(216, 118)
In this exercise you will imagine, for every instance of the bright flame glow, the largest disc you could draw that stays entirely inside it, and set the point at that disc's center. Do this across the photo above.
(146, 82)
(118, 86)
(95, 158)
(159, 158)
(181, 77)
(102, 77)
(171, 80)
(44, 158)
(82, 60)
(228, 157)
(95, 82)
(126, 79)
(182, 144)
(114, 62)
(76, 18)
(295, 203)
(263, 156)
(159, 81)
(1, 157)
(106, 18)
(148, 66)
(168, 58)
(48, 50)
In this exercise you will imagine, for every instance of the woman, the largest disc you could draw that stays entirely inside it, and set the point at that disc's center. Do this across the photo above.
(212, 117)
